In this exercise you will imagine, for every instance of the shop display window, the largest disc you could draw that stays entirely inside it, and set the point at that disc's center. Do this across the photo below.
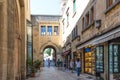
(114, 55)
(99, 61)
(89, 61)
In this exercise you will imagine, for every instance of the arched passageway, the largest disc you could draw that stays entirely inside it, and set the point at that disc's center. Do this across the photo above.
(49, 54)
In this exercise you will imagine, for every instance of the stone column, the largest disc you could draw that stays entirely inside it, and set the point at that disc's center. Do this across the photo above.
(3, 41)
(0, 41)
(23, 44)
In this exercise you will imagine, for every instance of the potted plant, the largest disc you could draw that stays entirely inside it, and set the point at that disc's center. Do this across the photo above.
(33, 71)
(29, 64)
(31, 67)
(37, 64)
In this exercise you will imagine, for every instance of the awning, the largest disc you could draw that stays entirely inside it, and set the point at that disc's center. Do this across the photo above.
(89, 43)
(103, 38)
(67, 52)
(108, 36)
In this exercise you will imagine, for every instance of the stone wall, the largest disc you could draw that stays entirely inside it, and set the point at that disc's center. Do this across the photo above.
(12, 40)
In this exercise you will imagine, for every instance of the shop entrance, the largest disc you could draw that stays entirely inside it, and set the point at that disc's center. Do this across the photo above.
(89, 60)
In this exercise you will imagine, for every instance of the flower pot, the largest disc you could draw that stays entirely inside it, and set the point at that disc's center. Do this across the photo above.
(32, 74)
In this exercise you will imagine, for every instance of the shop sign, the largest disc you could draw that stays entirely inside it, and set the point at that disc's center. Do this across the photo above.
(87, 49)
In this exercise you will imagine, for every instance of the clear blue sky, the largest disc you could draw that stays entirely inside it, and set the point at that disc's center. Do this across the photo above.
(51, 7)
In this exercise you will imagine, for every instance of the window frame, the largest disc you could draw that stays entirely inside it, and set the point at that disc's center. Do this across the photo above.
(48, 31)
(92, 12)
(75, 32)
(67, 19)
(63, 22)
(43, 32)
(57, 32)
(74, 6)
(87, 19)
(83, 23)
(67, 15)
(110, 7)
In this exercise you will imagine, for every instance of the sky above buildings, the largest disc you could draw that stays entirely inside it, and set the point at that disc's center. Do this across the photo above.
(51, 7)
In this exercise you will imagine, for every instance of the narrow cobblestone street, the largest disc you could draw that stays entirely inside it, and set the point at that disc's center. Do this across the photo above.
(53, 73)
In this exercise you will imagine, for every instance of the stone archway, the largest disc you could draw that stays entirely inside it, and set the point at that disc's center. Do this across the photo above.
(53, 56)
(47, 45)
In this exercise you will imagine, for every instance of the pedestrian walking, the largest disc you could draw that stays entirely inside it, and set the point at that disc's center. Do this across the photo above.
(58, 63)
(78, 67)
(71, 65)
(64, 64)
(49, 62)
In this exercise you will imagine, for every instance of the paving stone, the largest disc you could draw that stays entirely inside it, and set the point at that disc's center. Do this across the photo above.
(53, 73)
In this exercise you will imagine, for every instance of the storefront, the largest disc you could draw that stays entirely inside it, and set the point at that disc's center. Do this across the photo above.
(67, 59)
(89, 58)
(102, 55)
(111, 55)
(75, 56)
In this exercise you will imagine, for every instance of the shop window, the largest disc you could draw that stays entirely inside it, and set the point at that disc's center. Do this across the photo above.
(114, 58)
(49, 30)
(89, 61)
(43, 30)
(56, 30)
(99, 61)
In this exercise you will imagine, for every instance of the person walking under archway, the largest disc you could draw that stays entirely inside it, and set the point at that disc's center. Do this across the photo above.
(48, 62)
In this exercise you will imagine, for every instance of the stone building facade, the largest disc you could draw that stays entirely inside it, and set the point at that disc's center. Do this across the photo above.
(46, 34)
(13, 39)
(97, 41)
(70, 17)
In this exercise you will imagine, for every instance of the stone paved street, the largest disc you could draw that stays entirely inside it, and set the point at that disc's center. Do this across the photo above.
(53, 73)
